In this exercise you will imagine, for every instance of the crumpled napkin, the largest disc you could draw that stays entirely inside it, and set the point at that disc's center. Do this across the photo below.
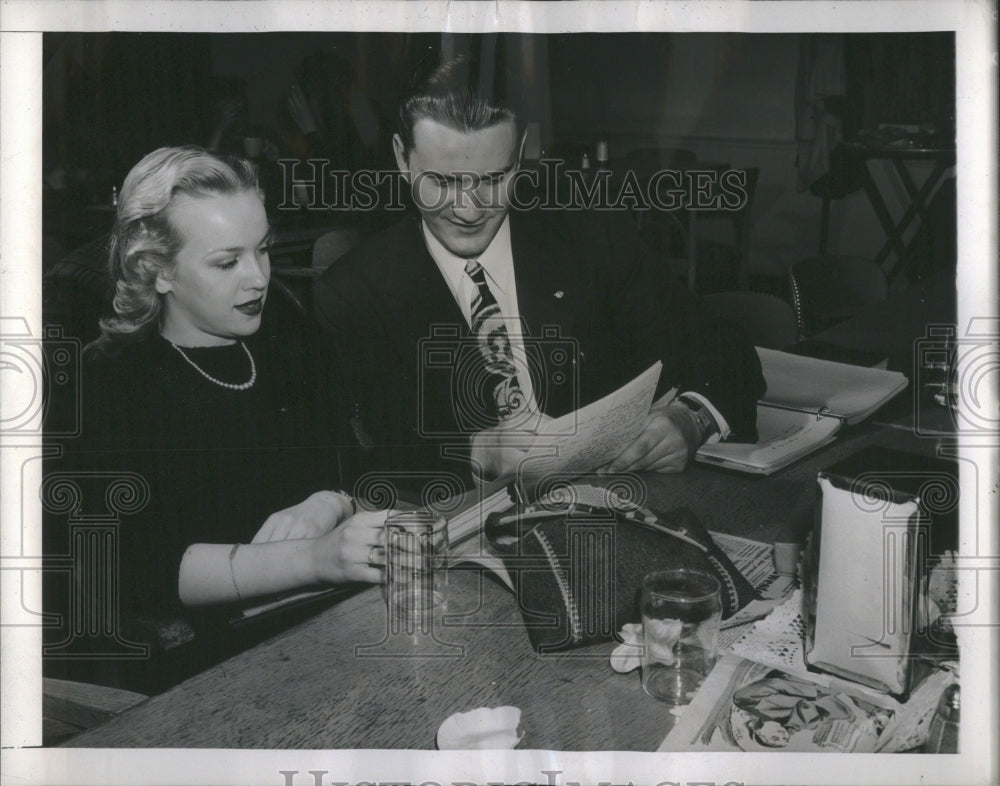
(485, 728)
(628, 655)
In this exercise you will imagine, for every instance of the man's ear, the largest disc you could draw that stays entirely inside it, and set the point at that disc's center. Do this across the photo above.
(399, 150)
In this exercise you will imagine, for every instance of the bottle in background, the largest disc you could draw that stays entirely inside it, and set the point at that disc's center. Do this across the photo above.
(601, 149)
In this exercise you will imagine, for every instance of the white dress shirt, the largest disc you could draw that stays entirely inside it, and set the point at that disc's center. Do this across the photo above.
(498, 263)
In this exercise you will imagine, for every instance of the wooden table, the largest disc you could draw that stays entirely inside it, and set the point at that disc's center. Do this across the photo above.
(311, 687)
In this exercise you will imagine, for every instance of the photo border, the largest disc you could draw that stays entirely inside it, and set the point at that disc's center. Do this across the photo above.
(21, 25)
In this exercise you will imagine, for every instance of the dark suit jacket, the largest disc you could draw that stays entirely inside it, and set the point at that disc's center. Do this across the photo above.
(602, 310)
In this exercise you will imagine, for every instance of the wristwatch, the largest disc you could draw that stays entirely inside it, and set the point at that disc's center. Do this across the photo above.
(702, 417)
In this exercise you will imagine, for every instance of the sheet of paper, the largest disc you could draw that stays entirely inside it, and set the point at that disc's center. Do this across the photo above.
(592, 436)
(466, 541)
(785, 435)
(755, 560)
(283, 601)
(479, 504)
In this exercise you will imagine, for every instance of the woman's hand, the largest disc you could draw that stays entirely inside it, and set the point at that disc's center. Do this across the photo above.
(354, 551)
(312, 518)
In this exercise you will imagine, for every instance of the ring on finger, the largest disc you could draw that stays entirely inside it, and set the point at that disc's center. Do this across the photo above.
(372, 553)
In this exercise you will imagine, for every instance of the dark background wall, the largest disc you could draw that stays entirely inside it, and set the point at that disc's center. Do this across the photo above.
(110, 98)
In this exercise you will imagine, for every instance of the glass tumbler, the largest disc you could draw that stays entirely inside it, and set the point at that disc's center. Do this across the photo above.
(681, 610)
(416, 559)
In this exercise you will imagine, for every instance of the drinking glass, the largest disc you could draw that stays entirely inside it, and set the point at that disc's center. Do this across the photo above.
(416, 554)
(681, 610)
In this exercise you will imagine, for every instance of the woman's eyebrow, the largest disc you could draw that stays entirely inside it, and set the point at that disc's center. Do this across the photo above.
(265, 240)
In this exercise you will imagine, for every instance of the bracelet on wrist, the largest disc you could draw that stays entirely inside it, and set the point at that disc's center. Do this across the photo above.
(232, 571)
(350, 498)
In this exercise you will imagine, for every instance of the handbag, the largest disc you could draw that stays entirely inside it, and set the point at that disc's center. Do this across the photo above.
(578, 556)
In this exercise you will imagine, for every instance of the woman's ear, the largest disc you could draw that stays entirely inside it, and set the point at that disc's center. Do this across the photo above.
(164, 283)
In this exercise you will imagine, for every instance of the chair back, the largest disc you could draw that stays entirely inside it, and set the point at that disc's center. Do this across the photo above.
(725, 255)
(77, 291)
(285, 299)
(767, 320)
(714, 246)
(332, 246)
(830, 289)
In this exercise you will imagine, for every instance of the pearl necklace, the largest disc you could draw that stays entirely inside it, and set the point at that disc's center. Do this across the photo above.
(245, 386)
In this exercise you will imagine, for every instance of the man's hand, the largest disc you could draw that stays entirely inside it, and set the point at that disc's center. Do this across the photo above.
(667, 443)
(499, 451)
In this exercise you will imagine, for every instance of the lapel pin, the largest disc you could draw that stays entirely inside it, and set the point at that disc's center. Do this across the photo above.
(558, 293)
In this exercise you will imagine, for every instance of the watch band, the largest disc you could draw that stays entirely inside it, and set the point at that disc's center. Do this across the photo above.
(706, 423)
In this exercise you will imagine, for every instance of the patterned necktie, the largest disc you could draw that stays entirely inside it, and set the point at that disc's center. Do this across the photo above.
(489, 328)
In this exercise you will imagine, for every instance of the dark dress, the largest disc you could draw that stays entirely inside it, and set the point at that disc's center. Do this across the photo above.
(195, 462)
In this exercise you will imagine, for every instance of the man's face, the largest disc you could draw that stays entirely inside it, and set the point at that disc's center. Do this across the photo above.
(460, 181)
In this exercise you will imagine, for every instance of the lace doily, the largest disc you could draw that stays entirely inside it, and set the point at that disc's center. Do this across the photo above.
(777, 639)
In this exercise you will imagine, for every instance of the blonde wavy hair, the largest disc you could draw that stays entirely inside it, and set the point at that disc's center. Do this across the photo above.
(143, 244)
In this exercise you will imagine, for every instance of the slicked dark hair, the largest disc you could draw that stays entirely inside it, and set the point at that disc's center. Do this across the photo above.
(453, 94)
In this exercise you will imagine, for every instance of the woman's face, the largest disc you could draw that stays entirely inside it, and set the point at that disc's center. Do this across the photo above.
(215, 291)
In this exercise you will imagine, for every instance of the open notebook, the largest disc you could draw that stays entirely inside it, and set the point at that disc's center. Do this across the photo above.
(806, 403)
